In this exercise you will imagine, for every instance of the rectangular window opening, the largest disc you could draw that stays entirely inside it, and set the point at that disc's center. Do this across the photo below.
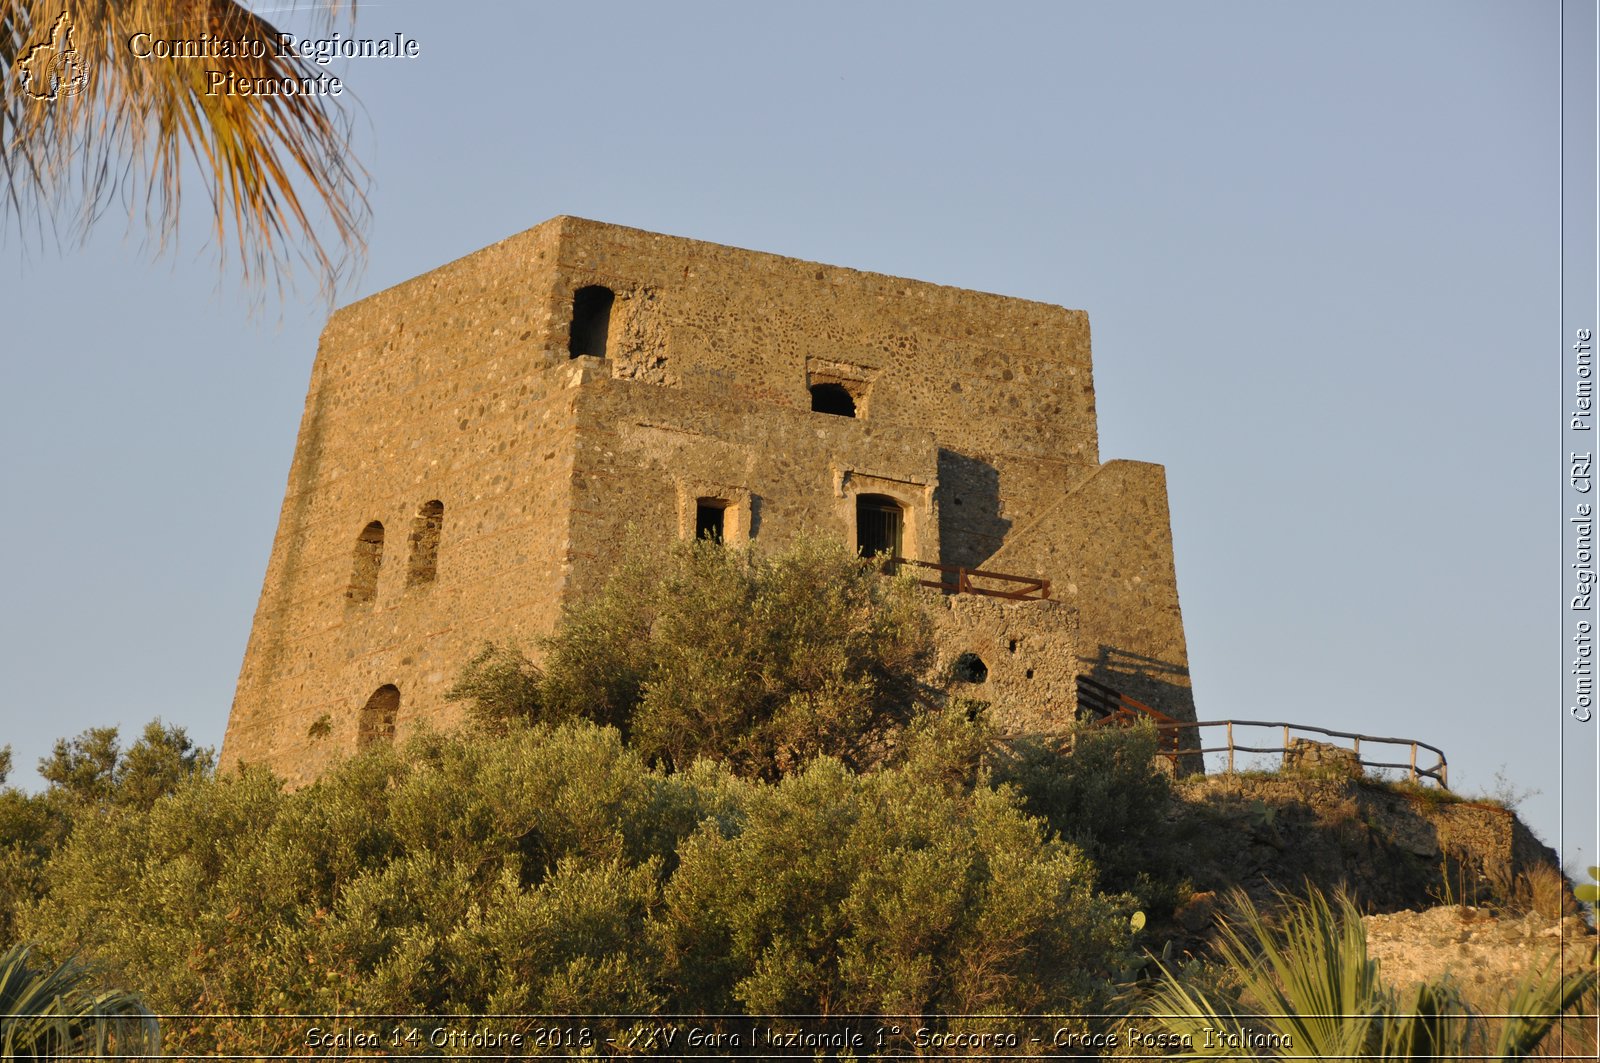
(879, 526)
(709, 519)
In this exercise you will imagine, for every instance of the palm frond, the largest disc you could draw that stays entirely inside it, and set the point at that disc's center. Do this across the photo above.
(1536, 1005)
(1194, 1013)
(48, 1011)
(1310, 983)
(277, 166)
(1312, 979)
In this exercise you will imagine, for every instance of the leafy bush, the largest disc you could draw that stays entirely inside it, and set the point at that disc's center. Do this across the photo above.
(86, 773)
(1102, 790)
(761, 661)
(552, 870)
(887, 892)
(455, 874)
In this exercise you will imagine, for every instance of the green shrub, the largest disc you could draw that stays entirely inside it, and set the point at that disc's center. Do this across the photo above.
(30, 830)
(1102, 790)
(457, 873)
(93, 767)
(89, 773)
(552, 870)
(887, 892)
(761, 661)
(501, 688)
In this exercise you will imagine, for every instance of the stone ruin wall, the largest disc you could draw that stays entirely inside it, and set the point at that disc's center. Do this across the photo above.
(975, 413)
(420, 393)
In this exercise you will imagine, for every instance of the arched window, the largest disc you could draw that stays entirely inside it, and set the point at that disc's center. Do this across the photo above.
(832, 398)
(376, 722)
(368, 560)
(425, 531)
(969, 668)
(880, 524)
(591, 320)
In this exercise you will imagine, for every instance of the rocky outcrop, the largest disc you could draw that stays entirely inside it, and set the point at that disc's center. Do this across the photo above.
(1456, 888)
(1483, 951)
(1392, 847)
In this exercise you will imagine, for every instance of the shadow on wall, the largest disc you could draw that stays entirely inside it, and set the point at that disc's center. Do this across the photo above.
(1162, 685)
(970, 526)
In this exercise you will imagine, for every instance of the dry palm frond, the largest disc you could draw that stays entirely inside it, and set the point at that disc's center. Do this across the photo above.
(77, 136)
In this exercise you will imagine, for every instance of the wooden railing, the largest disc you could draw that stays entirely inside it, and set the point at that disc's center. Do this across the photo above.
(1105, 705)
(1026, 589)
(1438, 771)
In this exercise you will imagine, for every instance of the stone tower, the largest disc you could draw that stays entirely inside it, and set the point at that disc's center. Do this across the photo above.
(476, 440)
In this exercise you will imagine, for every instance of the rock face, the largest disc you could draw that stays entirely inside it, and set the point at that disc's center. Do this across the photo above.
(1392, 847)
(1483, 951)
(1306, 757)
(1461, 888)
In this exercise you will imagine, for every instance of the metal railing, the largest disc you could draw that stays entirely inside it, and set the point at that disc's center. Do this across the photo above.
(1110, 706)
(1029, 590)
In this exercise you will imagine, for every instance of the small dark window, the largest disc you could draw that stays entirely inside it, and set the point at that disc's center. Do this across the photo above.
(709, 518)
(425, 532)
(879, 520)
(969, 668)
(376, 722)
(368, 561)
(591, 320)
(832, 398)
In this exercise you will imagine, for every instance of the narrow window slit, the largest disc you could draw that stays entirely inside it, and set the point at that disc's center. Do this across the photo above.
(376, 721)
(591, 320)
(368, 562)
(425, 532)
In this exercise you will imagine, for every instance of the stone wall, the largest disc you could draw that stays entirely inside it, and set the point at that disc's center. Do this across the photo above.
(488, 417)
(1018, 656)
(1106, 544)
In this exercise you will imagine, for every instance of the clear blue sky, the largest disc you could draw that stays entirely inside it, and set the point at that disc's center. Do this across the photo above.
(1318, 245)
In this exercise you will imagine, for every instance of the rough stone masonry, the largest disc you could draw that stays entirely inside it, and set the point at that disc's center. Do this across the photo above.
(476, 441)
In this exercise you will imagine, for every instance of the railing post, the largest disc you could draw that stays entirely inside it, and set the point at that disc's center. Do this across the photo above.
(1413, 762)
(1230, 747)
(1285, 739)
